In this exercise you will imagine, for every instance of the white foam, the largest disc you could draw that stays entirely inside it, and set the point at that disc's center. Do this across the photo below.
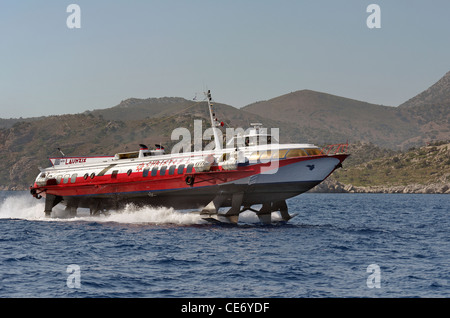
(251, 217)
(134, 215)
(22, 207)
(26, 208)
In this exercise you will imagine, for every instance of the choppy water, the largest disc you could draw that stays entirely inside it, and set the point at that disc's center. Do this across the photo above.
(323, 252)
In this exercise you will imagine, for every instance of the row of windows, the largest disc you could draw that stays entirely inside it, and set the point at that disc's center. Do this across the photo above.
(66, 179)
(145, 173)
(163, 170)
(304, 152)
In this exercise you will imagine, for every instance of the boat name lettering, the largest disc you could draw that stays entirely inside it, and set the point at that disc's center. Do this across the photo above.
(75, 160)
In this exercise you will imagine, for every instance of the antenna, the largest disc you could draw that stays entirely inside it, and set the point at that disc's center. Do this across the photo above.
(59, 149)
(214, 122)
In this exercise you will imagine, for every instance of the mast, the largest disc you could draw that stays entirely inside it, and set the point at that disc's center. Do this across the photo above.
(214, 122)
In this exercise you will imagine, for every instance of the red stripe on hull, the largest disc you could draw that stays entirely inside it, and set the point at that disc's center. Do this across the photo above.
(135, 182)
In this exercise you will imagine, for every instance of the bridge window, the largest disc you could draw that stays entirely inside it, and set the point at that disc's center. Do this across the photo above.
(314, 152)
(296, 153)
(279, 154)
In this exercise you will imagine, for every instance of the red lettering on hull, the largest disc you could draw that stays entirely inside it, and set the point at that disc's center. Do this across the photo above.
(75, 160)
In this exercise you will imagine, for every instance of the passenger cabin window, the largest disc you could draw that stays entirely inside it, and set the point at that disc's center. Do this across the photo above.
(58, 179)
(154, 171)
(172, 170)
(114, 174)
(73, 178)
(189, 168)
(254, 156)
(180, 169)
(66, 178)
(265, 155)
(226, 156)
(162, 171)
(128, 155)
(145, 172)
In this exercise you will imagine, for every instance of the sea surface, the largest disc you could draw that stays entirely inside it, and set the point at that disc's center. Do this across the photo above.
(339, 245)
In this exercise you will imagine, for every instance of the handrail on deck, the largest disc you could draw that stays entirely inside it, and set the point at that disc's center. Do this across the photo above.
(335, 149)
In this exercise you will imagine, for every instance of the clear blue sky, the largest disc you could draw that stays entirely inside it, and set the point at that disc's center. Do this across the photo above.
(243, 50)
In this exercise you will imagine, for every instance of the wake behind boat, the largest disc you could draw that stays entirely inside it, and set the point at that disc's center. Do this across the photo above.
(252, 169)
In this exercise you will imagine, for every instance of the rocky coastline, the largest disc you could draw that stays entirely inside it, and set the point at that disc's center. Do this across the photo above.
(12, 188)
(332, 186)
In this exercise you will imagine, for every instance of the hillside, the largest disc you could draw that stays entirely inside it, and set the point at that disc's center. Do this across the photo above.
(164, 108)
(391, 127)
(135, 108)
(314, 106)
(437, 94)
(160, 109)
(305, 108)
(418, 170)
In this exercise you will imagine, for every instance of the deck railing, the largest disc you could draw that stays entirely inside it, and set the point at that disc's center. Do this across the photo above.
(335, 149)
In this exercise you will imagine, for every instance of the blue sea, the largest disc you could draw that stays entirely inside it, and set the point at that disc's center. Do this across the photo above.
(339, 245)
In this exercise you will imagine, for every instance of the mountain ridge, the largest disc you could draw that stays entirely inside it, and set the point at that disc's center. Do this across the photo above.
(436, 94)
